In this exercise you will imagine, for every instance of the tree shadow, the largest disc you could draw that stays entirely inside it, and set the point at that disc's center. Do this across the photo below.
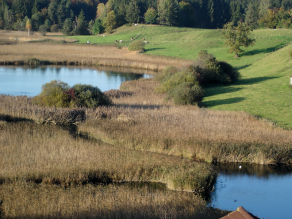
(152, 49)
(253, 80)
(8, 118)
(212, 91)
(212, 103)
(265, 50)
(139, 106)
(242, 67)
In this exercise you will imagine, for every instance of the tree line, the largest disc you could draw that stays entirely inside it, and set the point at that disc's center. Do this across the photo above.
(97, 16)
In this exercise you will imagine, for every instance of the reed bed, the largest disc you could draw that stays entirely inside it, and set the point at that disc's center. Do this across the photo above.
(47, 154)
(23, 108)
(83, 55)
(26, 200)
(142, 120)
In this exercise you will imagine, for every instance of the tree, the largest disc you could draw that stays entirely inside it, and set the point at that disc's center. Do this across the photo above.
(168, 12)
(251, 15)
(36, 20)
(263, 7)
(82, 26)
(97, 27)
(100, 12)
(150, 16)
(110, 22)
(67, 27)
(237, 36)
(132, 12)
(28, 26)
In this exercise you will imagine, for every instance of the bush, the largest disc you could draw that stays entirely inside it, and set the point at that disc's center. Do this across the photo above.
(171, 82)
(186, 93)
(43, 30)
(209, 71)
(89, 96)
(53, 94)
(136, 45)
(54, 28)
(59, 94)
(166, 73)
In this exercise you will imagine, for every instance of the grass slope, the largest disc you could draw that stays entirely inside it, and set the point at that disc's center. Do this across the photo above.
(264, 87)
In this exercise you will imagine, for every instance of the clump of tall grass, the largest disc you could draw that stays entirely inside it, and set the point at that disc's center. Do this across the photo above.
(47, 154)
(23, 108)
(27, 200)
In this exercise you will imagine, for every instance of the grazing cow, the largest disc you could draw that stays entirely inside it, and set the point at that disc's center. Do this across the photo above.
(88, 42)
(116, 41)
(145, 42)
(121, 41)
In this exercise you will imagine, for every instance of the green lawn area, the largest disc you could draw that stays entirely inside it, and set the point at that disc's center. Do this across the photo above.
(263, 89)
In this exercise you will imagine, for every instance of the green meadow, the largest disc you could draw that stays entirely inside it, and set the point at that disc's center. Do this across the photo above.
(263, 89)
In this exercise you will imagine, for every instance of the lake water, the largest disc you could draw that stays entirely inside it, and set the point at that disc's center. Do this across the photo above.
(27, 81)
(265, 191)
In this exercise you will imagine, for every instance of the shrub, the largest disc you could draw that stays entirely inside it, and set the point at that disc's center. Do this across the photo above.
(53, 94)
(54, 28)
(186, 93)
(89, 96)
(175, 79)
(166, 73)
(209, 71)
(59, 94)
(43, 30)
(136, 45)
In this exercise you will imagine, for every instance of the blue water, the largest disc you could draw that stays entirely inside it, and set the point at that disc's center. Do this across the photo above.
(264, 191)
(26, 81)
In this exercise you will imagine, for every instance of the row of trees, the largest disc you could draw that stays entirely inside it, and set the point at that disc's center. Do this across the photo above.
(96, 16)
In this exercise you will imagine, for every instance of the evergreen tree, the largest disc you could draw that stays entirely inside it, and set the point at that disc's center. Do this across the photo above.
(251, 15)
(82, 26)
(150, 16)
(168, 12)
(263, 7)
(237, 37)
(132, 12)
(36, 20)
(48, 24)
(67, 27)
(36, 7)
(52, 11)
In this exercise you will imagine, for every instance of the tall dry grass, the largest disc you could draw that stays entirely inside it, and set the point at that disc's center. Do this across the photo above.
(83, 55)
(140, 119)
(26, 200)
(47, 154)
(23, 108)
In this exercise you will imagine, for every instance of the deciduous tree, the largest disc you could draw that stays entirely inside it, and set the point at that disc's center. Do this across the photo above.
(28, 26)
(150, 16)
(237, 36)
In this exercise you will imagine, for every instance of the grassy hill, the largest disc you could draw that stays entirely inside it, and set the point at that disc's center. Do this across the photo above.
(264, 87)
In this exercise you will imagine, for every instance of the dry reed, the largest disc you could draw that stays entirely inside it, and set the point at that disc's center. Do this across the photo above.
(143, 121)
(26, 200)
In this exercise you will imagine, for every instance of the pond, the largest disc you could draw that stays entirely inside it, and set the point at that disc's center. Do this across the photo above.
(28, 81)
(265, 191)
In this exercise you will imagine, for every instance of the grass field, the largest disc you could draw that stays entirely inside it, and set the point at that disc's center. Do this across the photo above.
(263, 89)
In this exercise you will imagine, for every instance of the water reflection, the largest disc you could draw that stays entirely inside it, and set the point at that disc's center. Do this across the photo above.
(28, 81)
(263, 190)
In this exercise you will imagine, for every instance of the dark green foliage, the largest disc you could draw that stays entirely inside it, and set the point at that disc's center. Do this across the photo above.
(136, 45)
(89, 96)
(168, 11)
(67, 27)
(36, 20)
(82, 26)
(48, 24)
(59, 94)
(132, 12)
(209, 71)
(98, 27)
(186, 93)
(166, 73)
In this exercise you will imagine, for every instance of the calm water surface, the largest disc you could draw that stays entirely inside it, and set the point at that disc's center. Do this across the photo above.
(26, 81)
(265, 191)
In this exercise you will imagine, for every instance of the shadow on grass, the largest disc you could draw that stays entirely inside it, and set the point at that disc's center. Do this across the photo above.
(139, 106)
(254, 80)
(147, 50)
(212, 103)
(8, 118)
(243, 67)
(212, 91)
(266, 50)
